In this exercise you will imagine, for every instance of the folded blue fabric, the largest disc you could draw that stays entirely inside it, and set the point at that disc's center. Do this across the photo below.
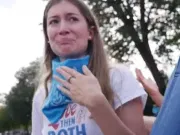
(56, 102)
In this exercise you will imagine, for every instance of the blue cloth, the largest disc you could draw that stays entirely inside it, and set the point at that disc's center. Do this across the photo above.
(155, 110)
(168, 120)
(56, 102)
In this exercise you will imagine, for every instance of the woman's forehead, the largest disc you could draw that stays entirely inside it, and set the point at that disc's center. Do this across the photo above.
(63, 8)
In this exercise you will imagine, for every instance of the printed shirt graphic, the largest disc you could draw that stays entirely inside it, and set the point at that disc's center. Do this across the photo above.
(75, 121)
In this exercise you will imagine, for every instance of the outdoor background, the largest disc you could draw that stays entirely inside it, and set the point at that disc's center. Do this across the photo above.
(143, 34)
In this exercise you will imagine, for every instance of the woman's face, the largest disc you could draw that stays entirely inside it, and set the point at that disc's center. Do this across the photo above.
(67, 31)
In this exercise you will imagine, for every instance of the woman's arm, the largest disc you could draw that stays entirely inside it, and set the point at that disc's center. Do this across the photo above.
(107, 119)
(131, 114)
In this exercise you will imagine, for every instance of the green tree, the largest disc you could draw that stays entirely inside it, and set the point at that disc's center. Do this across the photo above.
(6, 122)
(19, 100)
(132, 26)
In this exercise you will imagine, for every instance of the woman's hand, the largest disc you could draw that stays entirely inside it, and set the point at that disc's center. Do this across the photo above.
(151, 88)
(148, 84)
(81, 88)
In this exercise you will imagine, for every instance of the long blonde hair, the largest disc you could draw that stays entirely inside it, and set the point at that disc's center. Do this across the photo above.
(98, 62)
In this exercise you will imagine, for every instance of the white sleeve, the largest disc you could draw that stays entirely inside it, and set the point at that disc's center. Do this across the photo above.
(36, 115)
(125, 86)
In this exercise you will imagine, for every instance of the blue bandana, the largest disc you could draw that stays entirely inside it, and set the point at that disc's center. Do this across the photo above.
(56, 102)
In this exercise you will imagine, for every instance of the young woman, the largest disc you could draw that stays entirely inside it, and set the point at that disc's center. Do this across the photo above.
(80, 94)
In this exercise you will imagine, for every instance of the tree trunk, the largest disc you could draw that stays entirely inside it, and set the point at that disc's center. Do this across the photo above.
(143, 47)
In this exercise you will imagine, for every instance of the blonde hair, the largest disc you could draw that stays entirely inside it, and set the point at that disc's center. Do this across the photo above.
(98, 62)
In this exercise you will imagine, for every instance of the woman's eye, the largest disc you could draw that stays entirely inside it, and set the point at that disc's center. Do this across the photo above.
(73, 19)
(53, 22)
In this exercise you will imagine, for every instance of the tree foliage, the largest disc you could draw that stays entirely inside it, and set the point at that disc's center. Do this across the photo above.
(19, 101)
(132, 26)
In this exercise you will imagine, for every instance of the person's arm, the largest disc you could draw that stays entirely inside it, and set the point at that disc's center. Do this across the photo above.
(157, 98)
(106, 118)
(129, 100)
(149, 121)
(151, 88)
(131, 114)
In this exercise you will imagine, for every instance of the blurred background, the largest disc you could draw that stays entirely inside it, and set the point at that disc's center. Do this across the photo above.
(143, 34)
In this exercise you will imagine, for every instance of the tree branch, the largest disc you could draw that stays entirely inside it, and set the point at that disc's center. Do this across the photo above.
(117, 7)
(142, 20)
(144, 26)
(129, 10)
(149, 13)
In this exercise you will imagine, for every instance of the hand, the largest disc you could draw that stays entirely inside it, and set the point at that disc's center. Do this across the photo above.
(81, 88)
(150, 86)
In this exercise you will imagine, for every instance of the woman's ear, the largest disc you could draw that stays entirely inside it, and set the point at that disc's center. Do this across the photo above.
(91, 32)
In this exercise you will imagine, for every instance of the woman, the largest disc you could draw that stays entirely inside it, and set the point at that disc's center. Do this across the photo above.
(81, 94)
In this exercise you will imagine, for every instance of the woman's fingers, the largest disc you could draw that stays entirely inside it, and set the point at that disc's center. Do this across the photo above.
(71, 72)
(63, 82)
(86, 71)
(64, 90)
(63, 73)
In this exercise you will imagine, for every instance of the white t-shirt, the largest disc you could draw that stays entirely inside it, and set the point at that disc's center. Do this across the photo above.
(76, 120)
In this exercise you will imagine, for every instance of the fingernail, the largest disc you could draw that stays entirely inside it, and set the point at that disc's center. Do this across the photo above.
(84, 66)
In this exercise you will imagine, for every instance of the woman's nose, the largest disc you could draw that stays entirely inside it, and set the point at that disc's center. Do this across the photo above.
(63, 28)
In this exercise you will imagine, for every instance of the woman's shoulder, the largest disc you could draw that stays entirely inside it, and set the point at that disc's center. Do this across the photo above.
(119, 71)
(122, 77)
(125, 85)
(39, 95)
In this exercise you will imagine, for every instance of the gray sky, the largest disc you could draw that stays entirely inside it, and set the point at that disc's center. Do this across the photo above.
(21, 38)
(7, 3)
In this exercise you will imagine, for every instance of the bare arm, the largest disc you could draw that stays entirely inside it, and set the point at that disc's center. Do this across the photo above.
(158, 99)
(151, 88)
(149, 121)
(107, 119)
(131, 113)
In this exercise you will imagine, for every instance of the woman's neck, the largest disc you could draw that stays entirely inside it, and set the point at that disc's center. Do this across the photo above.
(71, 57)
